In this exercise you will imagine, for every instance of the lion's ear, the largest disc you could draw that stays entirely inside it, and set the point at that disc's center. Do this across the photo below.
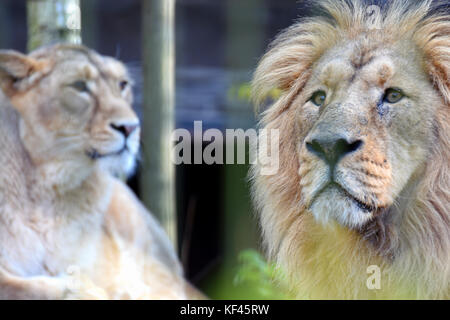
(285, 68)
(276, 73)
(434, 39)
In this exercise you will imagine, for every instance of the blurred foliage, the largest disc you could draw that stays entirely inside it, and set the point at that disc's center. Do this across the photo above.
(252, 278)
(243, 92)
(265, 278)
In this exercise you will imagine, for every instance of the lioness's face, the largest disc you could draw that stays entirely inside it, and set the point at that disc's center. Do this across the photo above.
(365, 119)
(78, 113)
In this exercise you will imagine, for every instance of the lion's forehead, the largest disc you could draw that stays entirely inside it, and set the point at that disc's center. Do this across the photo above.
(374, 67)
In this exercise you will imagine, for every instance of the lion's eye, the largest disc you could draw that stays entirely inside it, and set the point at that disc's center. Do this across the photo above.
(318, 98)
(80, 85)
(123, 85)
(393, 95)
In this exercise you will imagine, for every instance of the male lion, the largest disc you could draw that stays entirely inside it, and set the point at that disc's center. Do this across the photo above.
(360, 206)
(68, 229)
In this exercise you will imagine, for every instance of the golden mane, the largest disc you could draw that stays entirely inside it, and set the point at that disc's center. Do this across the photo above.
(420, 248)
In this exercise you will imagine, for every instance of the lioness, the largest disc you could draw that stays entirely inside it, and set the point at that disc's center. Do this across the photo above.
(360, 207)
(68, 228)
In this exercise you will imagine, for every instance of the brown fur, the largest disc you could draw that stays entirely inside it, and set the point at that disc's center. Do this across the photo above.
(401, 170)
(68, 228)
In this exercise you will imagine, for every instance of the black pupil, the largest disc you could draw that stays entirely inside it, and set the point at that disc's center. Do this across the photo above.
(393, 96)
(123, 85)
(319, 98)
(80, 85)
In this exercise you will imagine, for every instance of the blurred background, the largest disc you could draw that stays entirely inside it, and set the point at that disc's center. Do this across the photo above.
(216, 46)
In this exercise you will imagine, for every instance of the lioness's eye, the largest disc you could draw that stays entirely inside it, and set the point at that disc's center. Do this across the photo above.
(318, 98)
(123, 85)
(393, 95)
(80, 86)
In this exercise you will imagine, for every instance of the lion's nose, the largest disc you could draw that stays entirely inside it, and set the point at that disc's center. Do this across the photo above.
(125, 129)
(331, 149)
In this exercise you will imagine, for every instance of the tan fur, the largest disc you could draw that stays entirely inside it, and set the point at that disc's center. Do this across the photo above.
(68, 229)
(402, 170)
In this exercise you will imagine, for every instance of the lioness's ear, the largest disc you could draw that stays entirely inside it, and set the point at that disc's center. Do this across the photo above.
(15, 65)
(18, 71)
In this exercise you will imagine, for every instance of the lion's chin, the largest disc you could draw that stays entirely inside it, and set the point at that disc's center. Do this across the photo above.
(333, 204)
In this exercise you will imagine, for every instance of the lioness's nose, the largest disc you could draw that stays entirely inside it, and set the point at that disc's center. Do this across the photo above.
(125, 129)
(331, 149)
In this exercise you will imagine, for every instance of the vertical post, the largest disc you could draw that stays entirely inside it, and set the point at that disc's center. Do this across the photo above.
(158, 175)
(52, 21)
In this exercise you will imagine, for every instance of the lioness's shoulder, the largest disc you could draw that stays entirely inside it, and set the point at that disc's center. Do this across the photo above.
(128, 218)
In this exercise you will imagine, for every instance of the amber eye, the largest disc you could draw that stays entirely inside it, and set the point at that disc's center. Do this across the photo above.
(80, 86)
(393, 95)
(318, 98)
(123, 85)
